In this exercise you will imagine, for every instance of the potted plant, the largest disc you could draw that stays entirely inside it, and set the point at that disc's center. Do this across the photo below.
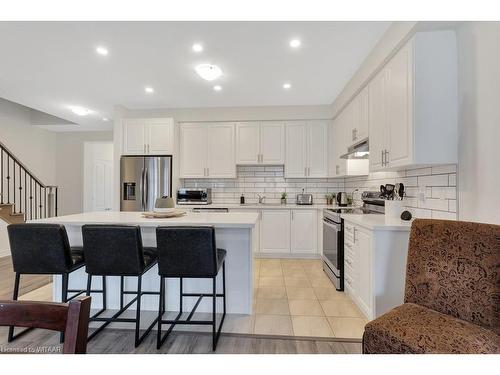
(283, 198)
(329, 199)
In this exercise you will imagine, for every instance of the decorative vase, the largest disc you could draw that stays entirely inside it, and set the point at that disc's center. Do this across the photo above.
(283, 200)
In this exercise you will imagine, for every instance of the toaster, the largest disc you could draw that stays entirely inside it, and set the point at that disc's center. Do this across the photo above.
(304, 199)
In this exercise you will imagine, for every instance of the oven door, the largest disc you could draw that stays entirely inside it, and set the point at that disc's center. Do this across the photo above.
(332, 251)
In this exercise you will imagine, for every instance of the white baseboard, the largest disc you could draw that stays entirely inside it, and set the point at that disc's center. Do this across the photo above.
(288, 255)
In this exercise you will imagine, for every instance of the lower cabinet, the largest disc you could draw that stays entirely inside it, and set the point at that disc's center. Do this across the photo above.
(275, 231)
(304, 235)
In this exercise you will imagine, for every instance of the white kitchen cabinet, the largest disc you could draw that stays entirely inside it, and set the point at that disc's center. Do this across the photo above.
(275, 231)
(413, 105)
(359, 130)
(148, 136)
(304, 236)
(260, 143)
(363, 283)
(207, 150)
(306, 149)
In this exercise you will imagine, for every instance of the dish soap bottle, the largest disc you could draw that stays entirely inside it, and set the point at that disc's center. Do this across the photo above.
(242, 199)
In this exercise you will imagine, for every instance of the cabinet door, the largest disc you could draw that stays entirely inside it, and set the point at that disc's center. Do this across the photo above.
(247, 143)
(296, 149)
(317, 153)
(134, 141)
(304, 234)
(399, 96)
(275, 231)
(363, 261)
(362, 113)
(193, 150)
(341, 143)
(160, 135)
(221, 153)
(377, 114)
(272, 142)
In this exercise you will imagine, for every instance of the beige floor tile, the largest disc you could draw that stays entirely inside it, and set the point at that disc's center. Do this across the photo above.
(314, 326)
(270, 272)
(320, 281)
(294, 272)
(275, 292)
(347, 327)
(270, 262)
(271, 281)
(272, 306)
(291, 263)
(273, 325)
(305, 307)
(297, 281)
(43, 293)
(340, 308)
(329, 293)
(293, 292)
(238, 323)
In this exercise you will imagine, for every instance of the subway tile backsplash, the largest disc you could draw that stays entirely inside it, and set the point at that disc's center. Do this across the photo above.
(431, 192)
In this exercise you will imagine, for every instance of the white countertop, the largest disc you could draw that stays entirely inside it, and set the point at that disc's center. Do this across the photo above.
(220, 220)
(256, 206)
(377, 222)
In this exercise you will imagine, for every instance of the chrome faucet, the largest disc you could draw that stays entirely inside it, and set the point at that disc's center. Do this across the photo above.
(261, 198)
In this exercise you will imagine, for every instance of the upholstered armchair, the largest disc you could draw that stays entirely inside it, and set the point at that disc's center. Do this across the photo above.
(452, 293)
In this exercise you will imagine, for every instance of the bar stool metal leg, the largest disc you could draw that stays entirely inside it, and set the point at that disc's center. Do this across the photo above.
(14, 297)
(214, 313)
(138, 311)
(64, 297)
(161, 311)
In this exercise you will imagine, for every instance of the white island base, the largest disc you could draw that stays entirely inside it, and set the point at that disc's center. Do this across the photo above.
(234, 232)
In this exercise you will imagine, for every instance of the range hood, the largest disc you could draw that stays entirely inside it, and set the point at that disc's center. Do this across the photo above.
(359, 150)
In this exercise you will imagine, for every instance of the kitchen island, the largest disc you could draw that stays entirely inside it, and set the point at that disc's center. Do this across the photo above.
(235, 232)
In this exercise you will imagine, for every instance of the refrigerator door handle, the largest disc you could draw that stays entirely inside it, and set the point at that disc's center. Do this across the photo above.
(146, 188)
(142, 190)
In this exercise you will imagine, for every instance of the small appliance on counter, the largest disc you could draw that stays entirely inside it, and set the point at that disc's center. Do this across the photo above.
(304, 199)
(341, 198)
(194, 196)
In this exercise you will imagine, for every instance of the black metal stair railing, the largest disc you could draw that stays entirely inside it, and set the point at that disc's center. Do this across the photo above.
(22, 189)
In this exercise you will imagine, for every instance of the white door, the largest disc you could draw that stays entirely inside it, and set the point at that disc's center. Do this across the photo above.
(363, 253)
(160, 136)
(272, 142)
(317, 153)
(377, 114)
(399, 107)
(134, 137)
(275, 231)
(304, 233)
(247, 143)
(193, 151)
(102, 185)
(221, 153)
(296, 149)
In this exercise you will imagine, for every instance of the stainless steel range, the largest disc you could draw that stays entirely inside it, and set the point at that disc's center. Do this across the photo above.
(333, 234)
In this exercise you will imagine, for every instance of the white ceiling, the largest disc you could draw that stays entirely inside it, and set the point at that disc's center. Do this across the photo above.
(52, 65)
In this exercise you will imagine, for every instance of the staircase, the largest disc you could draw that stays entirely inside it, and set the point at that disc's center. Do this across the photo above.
(22, 195)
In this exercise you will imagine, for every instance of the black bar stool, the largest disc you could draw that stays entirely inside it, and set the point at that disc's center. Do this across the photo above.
(116, 250)
(190, 252)
(43, 249)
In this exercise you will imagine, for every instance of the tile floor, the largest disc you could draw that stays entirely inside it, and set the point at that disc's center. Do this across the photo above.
(295, 298)
(291, 297)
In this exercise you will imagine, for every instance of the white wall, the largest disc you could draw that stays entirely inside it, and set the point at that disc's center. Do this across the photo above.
(479, 121)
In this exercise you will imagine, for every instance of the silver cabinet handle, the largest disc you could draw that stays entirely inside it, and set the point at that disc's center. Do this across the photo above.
(354, 234)
(144, 148)
(292, 215)
(337, 169)
(305, 171)
(208, 172)
(386, 157)
(148, 148)
(382, 157)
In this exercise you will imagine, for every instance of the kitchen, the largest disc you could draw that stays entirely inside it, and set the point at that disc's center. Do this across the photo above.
(314, 210)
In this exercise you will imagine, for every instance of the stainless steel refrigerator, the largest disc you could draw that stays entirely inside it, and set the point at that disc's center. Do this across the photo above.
(143, 179)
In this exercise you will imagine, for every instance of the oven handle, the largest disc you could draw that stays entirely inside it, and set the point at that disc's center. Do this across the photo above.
(332, 225)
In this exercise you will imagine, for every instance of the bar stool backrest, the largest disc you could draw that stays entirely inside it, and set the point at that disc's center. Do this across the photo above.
(186, 251)
(113, 250)
(39, 248)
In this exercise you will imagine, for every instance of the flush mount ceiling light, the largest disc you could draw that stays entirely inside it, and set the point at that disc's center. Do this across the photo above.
(208, 72)
(80, 111)
(105, 119)
(149, 89)
(287, 86)
(103, 51)
(197, 47)
(295, 43)
(217, 88)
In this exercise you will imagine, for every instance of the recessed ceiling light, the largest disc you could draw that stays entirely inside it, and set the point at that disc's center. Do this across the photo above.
(149, 90)
(217, 88)
(287, 86)
(208, 72)
(102, 51)
(295, 43)
(80, 111)
(197, 47)
(105, 119)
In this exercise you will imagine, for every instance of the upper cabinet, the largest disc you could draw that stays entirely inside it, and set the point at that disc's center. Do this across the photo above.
(413, 105)
(260, 143)
(306, 149)
(207, 150)
(148, 136)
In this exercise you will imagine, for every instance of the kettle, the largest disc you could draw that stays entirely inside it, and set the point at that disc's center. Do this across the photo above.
(342, 199)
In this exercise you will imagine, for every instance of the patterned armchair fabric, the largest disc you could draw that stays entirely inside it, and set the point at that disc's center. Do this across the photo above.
(452, 295)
